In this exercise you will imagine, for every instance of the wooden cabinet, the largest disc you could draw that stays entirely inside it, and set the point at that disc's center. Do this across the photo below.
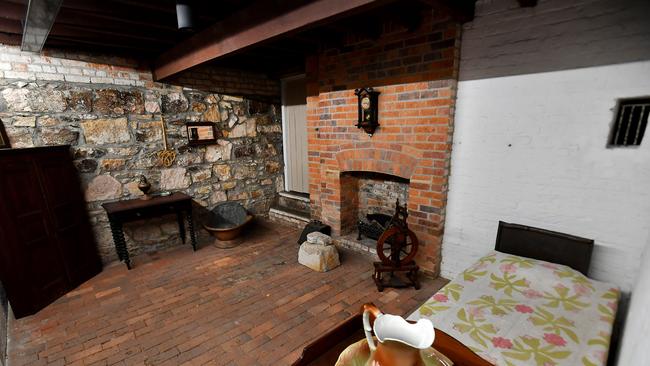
(47, 246)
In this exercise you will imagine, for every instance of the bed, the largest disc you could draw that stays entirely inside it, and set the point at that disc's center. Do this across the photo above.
(528, 302)
(512, 309)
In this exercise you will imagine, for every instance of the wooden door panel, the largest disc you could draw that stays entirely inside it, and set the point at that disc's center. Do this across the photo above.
(19, 182)
(65, 215)
(294, 101)
(68, 215)
(46, 274)
(34, 268)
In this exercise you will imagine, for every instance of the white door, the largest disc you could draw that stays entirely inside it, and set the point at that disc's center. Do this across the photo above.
(294, 119)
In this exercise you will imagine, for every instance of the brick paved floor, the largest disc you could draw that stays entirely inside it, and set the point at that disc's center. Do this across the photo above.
(250, 305)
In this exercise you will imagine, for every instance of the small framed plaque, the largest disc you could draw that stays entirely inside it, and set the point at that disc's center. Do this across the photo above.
(201, 133)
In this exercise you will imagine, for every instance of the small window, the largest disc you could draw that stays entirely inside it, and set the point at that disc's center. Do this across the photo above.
(631, 121)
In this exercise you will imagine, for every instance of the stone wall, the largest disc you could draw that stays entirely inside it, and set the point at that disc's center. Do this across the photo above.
(111, 115)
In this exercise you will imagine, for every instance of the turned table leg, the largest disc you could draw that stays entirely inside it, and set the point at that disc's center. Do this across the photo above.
(190, 226)
(120, 242)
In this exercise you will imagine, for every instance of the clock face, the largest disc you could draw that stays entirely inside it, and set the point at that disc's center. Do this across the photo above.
(365, 103)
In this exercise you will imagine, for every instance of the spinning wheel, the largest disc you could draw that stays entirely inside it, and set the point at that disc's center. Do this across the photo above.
(397, 246)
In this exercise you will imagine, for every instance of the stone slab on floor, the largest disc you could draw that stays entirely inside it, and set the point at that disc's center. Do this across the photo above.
(249, 305)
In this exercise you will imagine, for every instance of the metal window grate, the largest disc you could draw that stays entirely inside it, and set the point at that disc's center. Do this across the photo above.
(631, 122)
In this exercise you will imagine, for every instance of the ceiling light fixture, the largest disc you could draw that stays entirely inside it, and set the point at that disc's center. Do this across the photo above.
(184, 15)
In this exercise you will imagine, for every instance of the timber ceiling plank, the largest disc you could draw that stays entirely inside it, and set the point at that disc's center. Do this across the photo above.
(13, 11)
(246, 28)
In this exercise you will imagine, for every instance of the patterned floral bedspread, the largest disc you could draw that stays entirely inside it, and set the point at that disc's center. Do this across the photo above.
(518, 311)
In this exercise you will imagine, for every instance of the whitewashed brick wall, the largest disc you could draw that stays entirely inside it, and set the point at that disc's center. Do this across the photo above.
(55, 65)
(634, 349)
(535, 105)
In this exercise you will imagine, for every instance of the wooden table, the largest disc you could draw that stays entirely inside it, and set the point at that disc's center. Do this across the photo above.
(121, 212)
(324, 351)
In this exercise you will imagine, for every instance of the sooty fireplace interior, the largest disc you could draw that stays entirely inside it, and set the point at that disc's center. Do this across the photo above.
(372, 199)
(373, 226)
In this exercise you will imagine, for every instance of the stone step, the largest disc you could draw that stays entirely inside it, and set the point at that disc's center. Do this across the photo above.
(295, 201)
(296, 217)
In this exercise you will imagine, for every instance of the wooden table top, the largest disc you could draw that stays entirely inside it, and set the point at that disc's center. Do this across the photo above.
(137, 203)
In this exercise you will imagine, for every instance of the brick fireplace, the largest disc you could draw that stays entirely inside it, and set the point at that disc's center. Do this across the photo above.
(416, 73)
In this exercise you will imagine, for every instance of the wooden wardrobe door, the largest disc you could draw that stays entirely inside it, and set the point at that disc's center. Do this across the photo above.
(70, 225)
(33, 273)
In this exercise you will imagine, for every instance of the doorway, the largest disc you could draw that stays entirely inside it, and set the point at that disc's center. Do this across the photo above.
(294, 127)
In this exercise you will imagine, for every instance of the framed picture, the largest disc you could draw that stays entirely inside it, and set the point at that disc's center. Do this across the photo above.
(201, 133)
(4, 140)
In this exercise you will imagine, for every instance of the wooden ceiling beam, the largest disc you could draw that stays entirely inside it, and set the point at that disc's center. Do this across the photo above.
(12, 11)
(120, 14)
(11, 26)
(247, 28)
(103, 25)
(70, 30)
(200, 7)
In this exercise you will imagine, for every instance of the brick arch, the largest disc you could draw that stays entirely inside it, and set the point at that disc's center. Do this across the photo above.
(377, 160)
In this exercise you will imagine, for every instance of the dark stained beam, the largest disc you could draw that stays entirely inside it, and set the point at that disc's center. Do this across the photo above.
(11, 26)
(13, 11)
(38, 22)
(204, 10)
(119, 13)
(69, 30)
(238, 31)
(73, 18)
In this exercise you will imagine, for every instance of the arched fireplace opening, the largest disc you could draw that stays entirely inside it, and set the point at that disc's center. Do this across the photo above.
(366, 198)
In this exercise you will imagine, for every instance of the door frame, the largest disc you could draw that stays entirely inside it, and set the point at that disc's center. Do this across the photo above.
(283, 82)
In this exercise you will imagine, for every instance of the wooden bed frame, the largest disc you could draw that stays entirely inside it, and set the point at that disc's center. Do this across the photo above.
(516, 239)
(546, 245)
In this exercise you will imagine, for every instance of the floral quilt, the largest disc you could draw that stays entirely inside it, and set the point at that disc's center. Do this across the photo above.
(515, 311)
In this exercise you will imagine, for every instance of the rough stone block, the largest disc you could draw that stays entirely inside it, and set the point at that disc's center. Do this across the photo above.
(59, 137)
(221, 151)
(103, 187)
(175, 178)
(118, 102)
(106, 131)
(24, 121)
(174, 103)
(320, 258)
(319, 238)
(212, 114)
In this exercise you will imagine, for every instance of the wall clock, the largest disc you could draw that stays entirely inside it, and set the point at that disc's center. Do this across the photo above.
(368, 109)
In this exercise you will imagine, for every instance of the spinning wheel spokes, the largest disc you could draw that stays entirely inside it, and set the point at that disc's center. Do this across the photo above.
(397, 246)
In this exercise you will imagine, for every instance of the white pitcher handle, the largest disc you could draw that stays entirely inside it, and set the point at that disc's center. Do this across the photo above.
(367, 329)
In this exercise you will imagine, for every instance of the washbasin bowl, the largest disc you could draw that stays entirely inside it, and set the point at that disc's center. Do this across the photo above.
(226, 222)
